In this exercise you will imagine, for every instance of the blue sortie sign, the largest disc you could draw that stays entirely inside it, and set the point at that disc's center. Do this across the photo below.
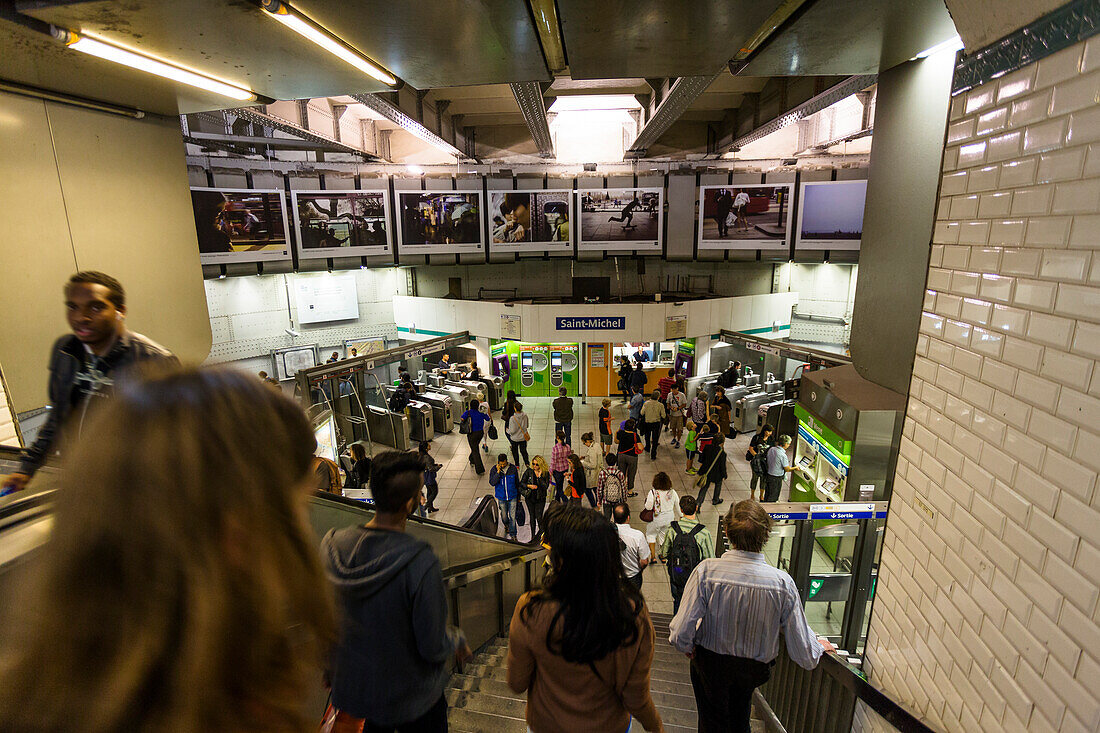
(590, 323)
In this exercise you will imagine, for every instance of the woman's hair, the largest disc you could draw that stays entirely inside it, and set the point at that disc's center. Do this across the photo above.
(575, 462)
(748, 526)
(424, 446)
(629, 424)
(181, 588)
(662, 482)
(598, 607)
(560, 436)
(518, 407)
(541, 463)
(358, 452)
(586, 438)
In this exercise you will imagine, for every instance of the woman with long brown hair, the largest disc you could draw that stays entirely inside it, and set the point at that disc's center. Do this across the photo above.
(181, 588)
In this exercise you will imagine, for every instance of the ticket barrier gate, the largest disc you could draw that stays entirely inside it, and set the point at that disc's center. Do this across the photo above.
(471, 386)
(750, 378)
(843, 585)
(421, 421)
(443, 415)
(745, 411)
(494, 391)
(388, 428)
(461, 399)
(692, 384)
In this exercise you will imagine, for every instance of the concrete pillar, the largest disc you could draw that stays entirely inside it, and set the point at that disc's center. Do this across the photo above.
(902, 186)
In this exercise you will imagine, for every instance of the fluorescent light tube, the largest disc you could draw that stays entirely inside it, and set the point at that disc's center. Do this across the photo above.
(306, 28)
(951, 44)
(110, 52)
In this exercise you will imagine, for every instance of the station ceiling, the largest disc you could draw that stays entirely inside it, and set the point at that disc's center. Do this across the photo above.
(464, 51)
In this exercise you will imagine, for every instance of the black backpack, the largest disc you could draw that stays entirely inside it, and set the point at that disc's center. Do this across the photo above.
(759, 462)
(683, 555)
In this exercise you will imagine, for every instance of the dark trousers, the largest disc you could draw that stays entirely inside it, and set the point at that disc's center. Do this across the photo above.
(772, 486)
(559, 485)
(757, 480)
(636, 580)
(519, 446)
(590, 494)
(677, 595)
(723, 688)
(433, 492)
(433, 721)
(717, 484)
(536, 508)
(652, 432)
(474, 439)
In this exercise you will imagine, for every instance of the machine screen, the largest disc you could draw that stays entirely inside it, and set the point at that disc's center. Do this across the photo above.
(555, 360)
(805, 461)
(526, 361)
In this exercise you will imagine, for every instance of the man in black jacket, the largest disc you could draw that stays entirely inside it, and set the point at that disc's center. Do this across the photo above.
(390, 665)
(85, 364)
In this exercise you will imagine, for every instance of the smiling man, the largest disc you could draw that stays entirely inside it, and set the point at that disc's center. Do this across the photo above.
(84, 365)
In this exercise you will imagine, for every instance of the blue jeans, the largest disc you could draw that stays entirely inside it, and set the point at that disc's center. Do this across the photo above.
(508, 513)
(567, 428)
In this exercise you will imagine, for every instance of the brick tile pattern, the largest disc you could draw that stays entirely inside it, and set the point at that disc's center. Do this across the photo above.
(987, 611)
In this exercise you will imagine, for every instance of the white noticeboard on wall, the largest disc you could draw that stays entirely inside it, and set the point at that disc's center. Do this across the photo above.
(326, 297)
(510, 327)
(676, 327)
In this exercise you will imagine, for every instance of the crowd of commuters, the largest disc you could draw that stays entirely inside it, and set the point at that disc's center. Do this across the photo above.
(221, 618)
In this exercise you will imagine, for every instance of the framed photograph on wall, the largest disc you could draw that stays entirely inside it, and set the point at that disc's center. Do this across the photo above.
(342, 223)
(530, 220)
(745, 216)
(286, 362)
(621, 219)
(830, 214)
(440, 222)
(240, 225)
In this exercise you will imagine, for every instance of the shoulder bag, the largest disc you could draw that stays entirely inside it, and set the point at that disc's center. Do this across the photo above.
(647, 513)
(493, 431)
(702, 479)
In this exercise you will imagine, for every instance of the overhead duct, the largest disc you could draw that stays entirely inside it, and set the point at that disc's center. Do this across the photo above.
(827, 98)
(531, 103)
(396, 115)
(680, 96)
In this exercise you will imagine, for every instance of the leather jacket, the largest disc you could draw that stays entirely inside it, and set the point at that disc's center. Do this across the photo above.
(66, 358)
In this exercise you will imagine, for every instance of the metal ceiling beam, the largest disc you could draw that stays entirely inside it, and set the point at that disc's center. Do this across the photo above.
(281, 143)
(829, 97)
(531, 103)
(278, 123)
(683, 92)
(396, 115)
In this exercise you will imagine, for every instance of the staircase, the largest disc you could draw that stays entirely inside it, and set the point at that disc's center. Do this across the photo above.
(481, 701)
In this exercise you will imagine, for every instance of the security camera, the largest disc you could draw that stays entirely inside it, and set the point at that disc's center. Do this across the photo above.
(291, 332)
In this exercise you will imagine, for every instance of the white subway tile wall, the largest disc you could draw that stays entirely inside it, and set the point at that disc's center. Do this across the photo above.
(988, 612)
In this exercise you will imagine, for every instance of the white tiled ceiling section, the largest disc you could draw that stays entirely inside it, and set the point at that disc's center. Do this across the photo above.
(987, 610)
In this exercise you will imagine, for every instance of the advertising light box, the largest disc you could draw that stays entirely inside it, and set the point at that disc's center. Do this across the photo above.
(830, 214)
(342, 223)
(745, 216)
(440, 222)
(621, 219)
(530, 221)
(240, 225)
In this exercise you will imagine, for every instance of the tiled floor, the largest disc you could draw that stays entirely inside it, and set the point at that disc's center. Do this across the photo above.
(460, 486)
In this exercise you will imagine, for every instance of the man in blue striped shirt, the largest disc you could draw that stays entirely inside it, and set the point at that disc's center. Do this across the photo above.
(732, 611)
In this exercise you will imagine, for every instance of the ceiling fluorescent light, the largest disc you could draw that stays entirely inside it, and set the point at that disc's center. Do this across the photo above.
(101, 49)
(951, 44)
(306, 28)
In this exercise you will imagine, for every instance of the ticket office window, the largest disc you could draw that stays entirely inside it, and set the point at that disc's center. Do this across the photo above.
(655, 351)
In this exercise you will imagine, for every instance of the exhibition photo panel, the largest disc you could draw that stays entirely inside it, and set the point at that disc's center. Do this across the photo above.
(830, 215)
(342, 223)
(745, 216)
(440, 222)
(240, 225)
(621, 219)
(530, 221)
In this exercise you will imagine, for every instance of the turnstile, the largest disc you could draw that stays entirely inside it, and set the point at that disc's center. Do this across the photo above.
(473, 387)
(443, 415)
(750, 378)
(388, 428)
(692, 384)
(772, 385)
(461, 398)
(421, 421)
(494, 390)
(744, 411)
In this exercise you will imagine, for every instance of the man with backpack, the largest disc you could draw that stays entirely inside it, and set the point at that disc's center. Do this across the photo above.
(687, 543)
(756, 455)
(610, 485)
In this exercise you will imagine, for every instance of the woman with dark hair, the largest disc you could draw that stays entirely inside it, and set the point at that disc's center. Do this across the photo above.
(360, 467)
(181, 578)
(582, 645)
(629, 448)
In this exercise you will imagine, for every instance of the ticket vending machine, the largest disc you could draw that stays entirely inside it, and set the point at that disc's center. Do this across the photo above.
(555, 369)
(526, 368)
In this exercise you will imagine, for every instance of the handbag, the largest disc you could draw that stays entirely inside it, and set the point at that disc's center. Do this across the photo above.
(639, 449)
(701, 480)
(521, 514)
(335, 721)
(646, 515)
(466, 426)
(492, 431)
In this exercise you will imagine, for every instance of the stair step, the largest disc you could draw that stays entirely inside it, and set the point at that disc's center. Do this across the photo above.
(472, 721)
(680, 689)
(488, 685)
(483, 702)
(676, 700)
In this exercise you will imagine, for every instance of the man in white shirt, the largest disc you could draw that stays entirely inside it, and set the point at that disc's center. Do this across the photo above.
(740, 202)
(730, 616)
(635, 549)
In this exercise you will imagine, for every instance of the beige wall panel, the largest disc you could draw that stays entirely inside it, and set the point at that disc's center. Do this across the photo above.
(35, 249)
(128, 200)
